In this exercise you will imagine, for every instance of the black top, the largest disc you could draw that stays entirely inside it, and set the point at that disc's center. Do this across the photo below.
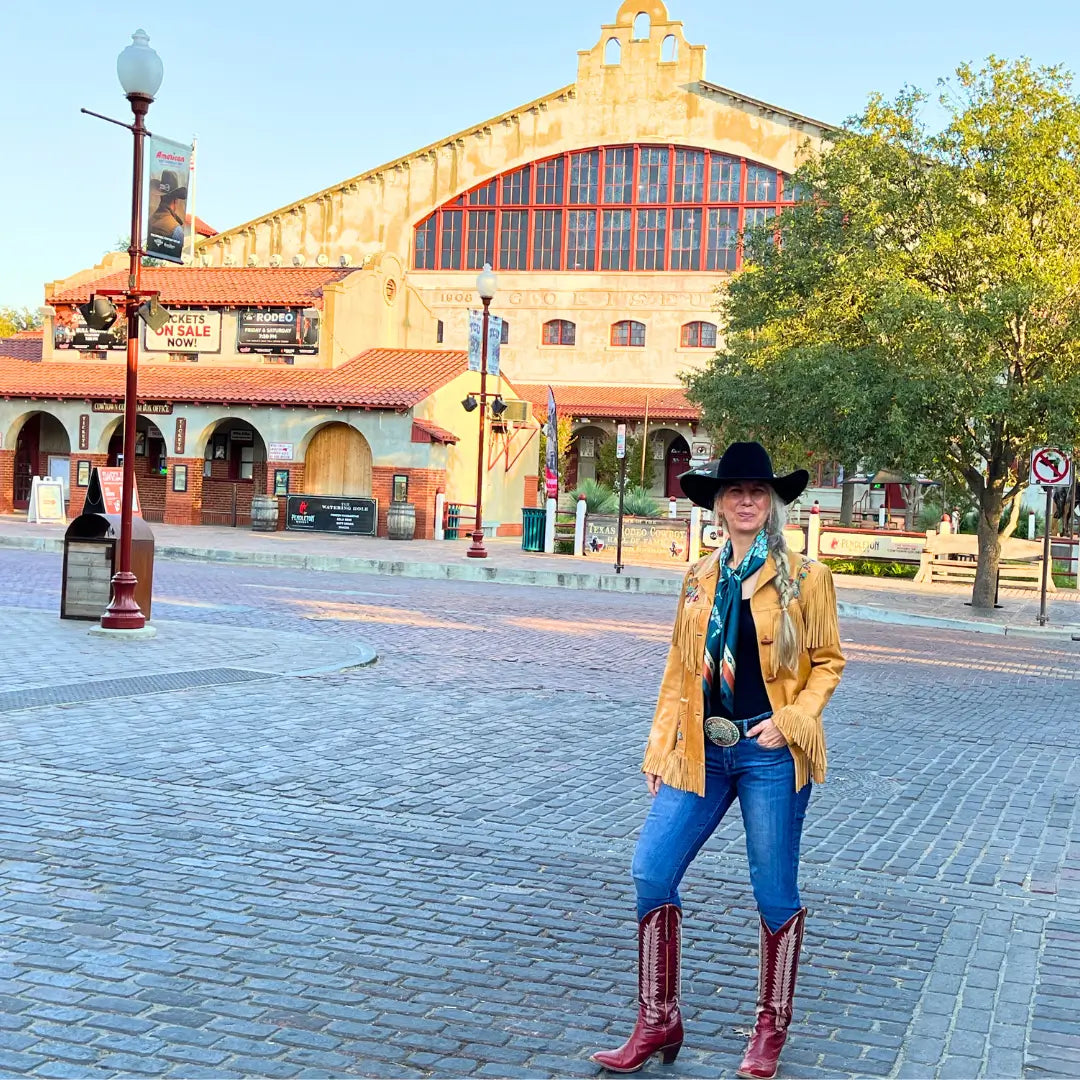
(750, 697)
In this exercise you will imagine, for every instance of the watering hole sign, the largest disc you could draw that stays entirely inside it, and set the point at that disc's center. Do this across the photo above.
(1051, 467)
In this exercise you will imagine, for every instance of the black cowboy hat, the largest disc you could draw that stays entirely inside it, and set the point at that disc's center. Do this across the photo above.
(741, 461)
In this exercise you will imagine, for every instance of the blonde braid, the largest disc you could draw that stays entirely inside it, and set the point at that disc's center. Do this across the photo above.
(786, 653)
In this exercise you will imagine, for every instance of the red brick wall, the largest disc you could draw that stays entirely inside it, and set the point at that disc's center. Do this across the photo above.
(78, 494)
(296, 484)
(423, 484)
(185, 507)
(7, 480)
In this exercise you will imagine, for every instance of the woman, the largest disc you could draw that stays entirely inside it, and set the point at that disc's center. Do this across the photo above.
(755, 656)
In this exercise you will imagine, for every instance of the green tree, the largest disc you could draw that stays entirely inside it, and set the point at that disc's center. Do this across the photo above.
(13, 319)
(922, 312)
(565, 430)
(123, 243)
(607, 464)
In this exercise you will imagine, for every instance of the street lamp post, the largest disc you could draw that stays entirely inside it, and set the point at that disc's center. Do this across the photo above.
(485, 286)
(140, 72)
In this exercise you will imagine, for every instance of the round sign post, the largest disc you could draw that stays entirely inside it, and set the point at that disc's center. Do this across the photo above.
(1051, 467)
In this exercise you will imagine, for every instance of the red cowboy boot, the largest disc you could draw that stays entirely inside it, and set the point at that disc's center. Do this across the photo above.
(779, 964)
(659, 1026)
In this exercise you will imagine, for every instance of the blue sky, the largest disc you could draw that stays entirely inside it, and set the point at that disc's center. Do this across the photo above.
(287, 99)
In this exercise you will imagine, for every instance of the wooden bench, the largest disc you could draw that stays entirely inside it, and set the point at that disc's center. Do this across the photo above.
(954, 557)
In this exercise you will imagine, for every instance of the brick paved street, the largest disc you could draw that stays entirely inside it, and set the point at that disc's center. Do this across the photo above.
(420, 868)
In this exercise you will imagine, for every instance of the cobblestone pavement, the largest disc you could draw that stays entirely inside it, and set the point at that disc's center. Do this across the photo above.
(420, 868)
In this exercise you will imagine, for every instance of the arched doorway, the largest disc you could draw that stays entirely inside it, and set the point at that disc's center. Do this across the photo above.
(677, 461)
(584, 450)
(42, 448)
(151, 460)
(337, 462)
(234, 472)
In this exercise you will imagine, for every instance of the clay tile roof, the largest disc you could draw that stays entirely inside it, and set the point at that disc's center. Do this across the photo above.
(222, 286)
(25, 345)
(376, 379)
(612, 402)
(201, 228)
(426, 431)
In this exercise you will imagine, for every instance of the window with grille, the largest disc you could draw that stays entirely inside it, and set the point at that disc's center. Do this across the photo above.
(628, 333)
(651, 208)
(559, 332)
(699, 335)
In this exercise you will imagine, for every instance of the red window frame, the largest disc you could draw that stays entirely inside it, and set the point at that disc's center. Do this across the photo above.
(694, 334)
(559, 332)
(628, 334)
(522, 192)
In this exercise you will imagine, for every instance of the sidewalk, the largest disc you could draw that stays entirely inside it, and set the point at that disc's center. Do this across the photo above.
(891, 600)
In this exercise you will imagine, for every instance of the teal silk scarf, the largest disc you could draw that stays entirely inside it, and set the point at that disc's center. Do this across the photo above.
(723, 632)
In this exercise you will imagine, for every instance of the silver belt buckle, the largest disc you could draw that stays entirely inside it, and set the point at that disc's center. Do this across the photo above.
(721, 731)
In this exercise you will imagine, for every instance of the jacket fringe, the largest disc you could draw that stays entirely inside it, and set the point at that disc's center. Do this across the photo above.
(818, 603)
(806, 734)
(673, 768)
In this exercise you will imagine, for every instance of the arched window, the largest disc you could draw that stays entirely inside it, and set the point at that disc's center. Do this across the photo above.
(642, 25)
(613, 52)
(699, 335)
(669, 50)
(559, 332)
(628, 332)
(634, 208)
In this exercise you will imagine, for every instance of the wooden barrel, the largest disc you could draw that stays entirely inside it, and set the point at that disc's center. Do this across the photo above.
(264, 511)
(401, 521)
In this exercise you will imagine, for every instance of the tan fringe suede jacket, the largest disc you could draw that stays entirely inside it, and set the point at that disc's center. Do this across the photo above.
(676, 749)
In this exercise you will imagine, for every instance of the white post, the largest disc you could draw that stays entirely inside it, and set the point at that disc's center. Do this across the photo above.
(881, 516)
(549, 526)
(579, 527)
(955, 520)
(1031, 525)
(813, 532)
(672, 507)
(695, 533)
(440, 506)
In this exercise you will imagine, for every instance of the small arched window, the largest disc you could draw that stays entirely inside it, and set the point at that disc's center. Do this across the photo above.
(642, 25)
(669, 50)
(628, 332)
(699, 335)
(504, 333)
(559, 332)
(613, 52)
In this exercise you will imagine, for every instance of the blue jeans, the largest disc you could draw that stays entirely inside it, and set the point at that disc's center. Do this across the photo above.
(680, 822)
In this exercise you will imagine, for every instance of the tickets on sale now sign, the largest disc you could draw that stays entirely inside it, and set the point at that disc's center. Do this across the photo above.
(186, 332)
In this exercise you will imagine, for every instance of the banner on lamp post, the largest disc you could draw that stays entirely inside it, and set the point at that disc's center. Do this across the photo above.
(551, 449)
(476, 342)
(169, 166)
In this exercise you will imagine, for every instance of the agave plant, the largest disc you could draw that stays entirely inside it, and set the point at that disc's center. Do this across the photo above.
(599, 498)
(639, 502)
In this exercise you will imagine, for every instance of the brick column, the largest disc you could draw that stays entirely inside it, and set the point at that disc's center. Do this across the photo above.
(7, 480)
(78, 494)
(184, 507)
(296, 484)
(423, 484)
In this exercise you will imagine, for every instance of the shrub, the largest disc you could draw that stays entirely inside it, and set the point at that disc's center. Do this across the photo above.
(599, 498)
(872, 568)
(640, 503)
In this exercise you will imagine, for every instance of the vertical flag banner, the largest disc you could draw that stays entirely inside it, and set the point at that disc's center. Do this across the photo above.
(551, 456)
(476, 333)
(169, 164)
(494, 344)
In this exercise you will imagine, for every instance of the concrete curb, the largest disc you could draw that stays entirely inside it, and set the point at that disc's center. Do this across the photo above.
(870, 613)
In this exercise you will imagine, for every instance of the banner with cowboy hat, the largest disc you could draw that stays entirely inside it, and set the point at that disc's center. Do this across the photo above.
(169, 165)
